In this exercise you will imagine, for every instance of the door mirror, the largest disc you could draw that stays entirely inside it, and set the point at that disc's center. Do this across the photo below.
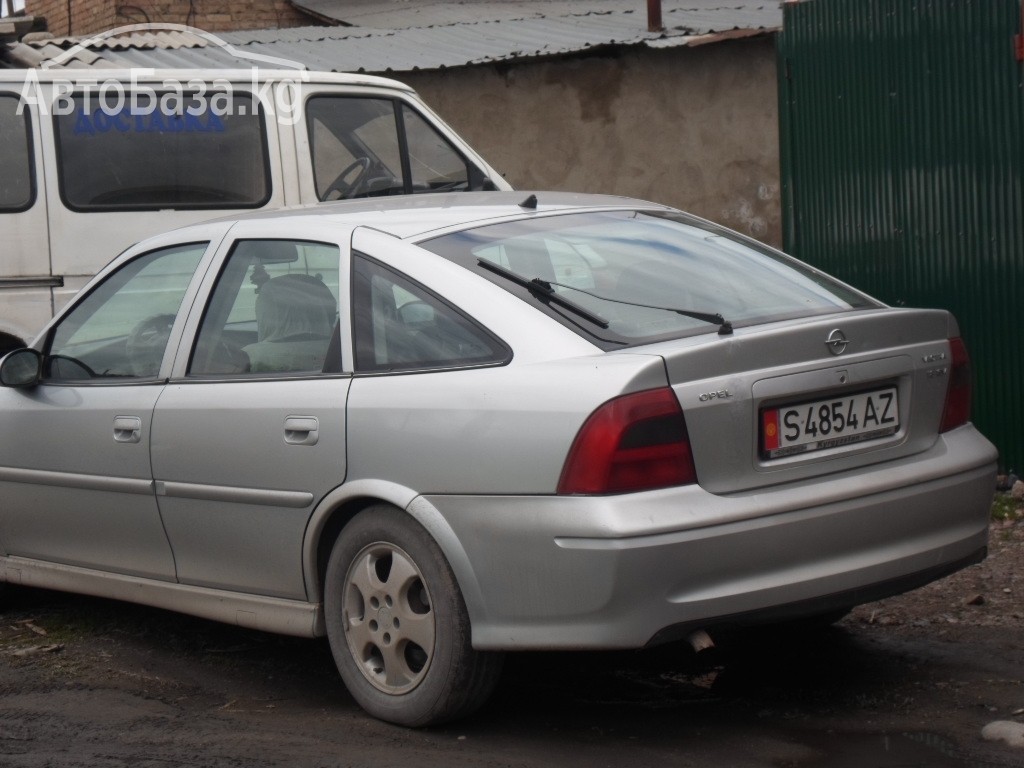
(21, 368)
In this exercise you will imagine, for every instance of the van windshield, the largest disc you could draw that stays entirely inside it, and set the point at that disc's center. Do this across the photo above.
(183, 154)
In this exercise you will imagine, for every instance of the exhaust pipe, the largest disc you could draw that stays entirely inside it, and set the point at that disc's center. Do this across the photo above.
(700, 641)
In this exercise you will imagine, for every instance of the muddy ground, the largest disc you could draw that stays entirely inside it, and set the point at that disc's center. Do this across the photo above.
(909, 681)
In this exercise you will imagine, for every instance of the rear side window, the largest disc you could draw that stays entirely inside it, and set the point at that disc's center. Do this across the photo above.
(274, 311)
(17, 188)
(367, 147)
(399, 326)
(187, 153)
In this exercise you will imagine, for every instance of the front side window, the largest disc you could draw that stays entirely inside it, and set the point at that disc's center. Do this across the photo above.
(433, 164)
(367, 147)
(274, 310)
(398, 326)
(355, 147)
(622, 278)
(17, 188)
(191, 153)
(121, 329)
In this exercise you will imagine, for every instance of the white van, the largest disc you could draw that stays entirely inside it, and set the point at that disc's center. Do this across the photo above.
(93, 160)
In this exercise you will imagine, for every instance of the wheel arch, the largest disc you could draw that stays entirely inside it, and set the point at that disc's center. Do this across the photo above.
(342, 504)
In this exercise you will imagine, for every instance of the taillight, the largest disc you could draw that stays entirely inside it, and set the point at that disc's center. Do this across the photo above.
(957, 410)
(636, 442)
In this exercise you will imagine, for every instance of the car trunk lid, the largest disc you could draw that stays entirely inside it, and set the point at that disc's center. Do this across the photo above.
(785, 402)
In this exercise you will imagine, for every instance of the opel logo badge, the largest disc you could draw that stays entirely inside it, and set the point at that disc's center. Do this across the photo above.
(836, 342)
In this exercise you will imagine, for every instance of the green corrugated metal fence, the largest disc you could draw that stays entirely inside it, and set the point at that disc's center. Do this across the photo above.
(902, 170)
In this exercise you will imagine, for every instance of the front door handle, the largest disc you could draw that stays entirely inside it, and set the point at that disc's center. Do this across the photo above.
(127, 429)
(301, 430)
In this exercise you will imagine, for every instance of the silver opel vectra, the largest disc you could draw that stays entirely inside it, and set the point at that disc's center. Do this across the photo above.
(438, 428)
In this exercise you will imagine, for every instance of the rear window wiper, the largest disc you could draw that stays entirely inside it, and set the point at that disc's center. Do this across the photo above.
(724, 326)
(544, 290)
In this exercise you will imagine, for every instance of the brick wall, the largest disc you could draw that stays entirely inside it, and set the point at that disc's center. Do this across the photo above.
(92, 16)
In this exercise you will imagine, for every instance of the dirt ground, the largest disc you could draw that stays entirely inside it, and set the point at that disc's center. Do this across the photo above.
(908, 681)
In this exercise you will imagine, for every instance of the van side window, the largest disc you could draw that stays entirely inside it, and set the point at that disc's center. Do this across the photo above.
(17, 187)
(366, 147)
(188, 153)
(274, 310)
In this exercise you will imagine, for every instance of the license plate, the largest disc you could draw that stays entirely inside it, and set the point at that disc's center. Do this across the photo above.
(830, 423)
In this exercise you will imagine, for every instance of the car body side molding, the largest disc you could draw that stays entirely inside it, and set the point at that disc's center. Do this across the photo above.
(74, 480)
(270, 498)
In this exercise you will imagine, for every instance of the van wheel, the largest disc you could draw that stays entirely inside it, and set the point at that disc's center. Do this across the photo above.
(398, 625)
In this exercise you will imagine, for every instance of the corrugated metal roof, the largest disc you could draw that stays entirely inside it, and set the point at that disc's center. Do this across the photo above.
(400, 14)
(143, 40)
(403, 14)
(476, 38)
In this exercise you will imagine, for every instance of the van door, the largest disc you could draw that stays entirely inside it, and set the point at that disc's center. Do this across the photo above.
(352, 145)
(25, 278)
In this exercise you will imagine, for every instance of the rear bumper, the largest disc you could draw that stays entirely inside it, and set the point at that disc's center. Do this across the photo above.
(625, 571)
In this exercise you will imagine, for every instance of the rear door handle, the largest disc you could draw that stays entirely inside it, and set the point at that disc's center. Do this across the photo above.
(301, 430)
(127, 429)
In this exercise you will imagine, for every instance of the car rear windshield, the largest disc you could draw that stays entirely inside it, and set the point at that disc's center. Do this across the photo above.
(624, 278)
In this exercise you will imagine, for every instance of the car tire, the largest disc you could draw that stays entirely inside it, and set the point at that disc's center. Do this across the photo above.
(398, 626)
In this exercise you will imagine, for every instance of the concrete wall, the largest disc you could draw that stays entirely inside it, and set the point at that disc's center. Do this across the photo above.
(696, 128)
